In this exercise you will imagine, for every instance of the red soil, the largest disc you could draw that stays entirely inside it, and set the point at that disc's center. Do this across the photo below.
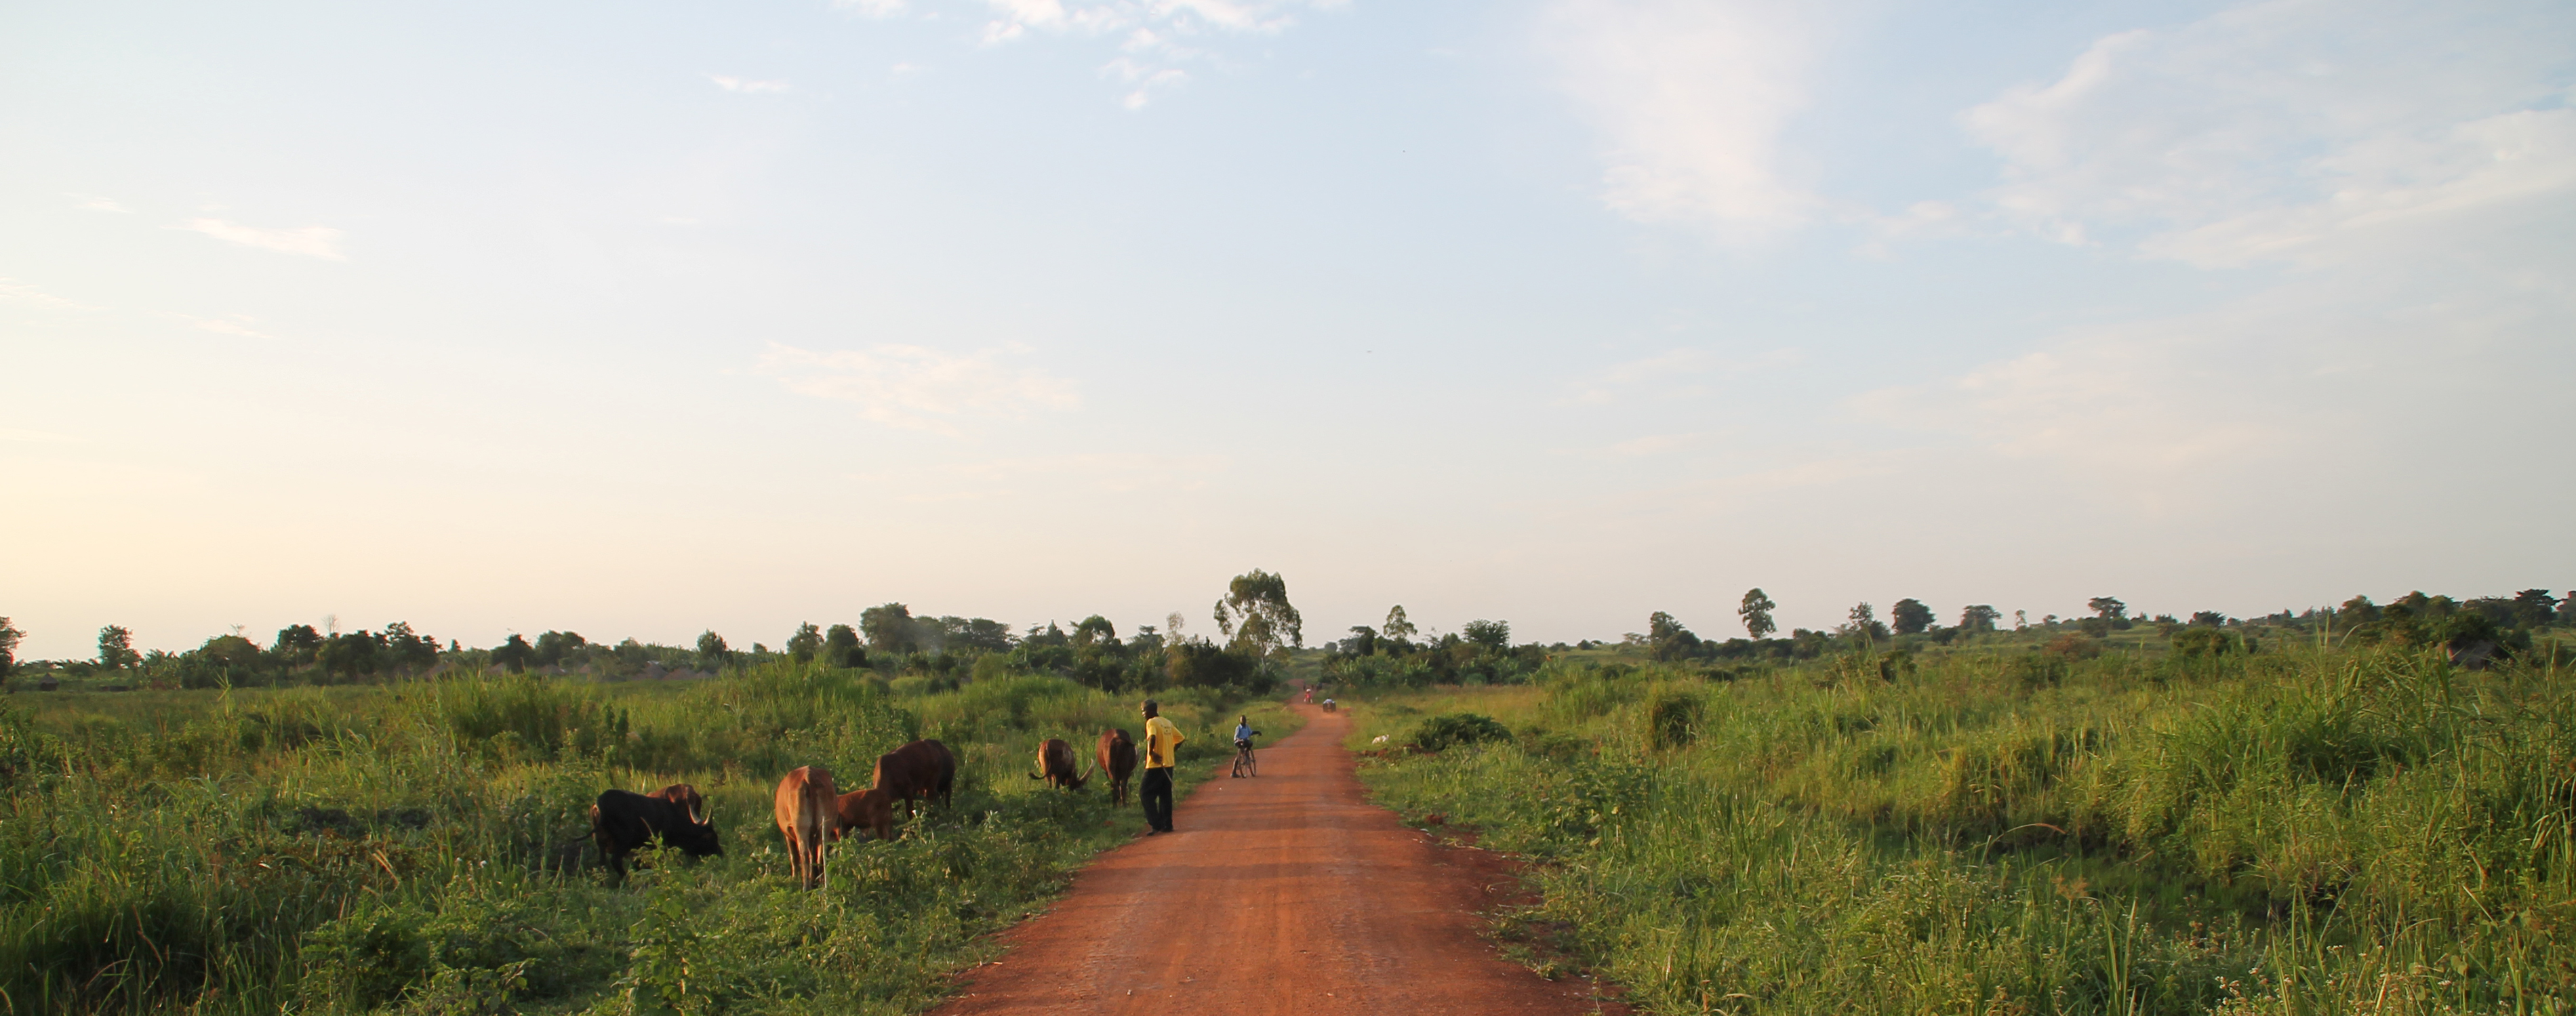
(1287, 892)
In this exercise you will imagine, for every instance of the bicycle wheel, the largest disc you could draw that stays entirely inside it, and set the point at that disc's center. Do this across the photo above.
(1251, 763)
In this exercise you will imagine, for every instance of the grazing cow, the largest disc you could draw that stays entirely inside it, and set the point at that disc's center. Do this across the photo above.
(807, 805)
(1055, 765)
(871, 809)
(685, 796)
(1117, 757)
(917, 771)
(624, 820)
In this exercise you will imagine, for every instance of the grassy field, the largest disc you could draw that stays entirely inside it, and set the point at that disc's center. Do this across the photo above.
(419, 846)
(2002, 830)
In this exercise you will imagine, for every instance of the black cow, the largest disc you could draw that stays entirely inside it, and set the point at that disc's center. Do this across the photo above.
(624, 820)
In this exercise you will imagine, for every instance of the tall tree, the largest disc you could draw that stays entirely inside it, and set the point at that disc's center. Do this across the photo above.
(712, 653)
(1095, 630)
(841, 647)
(1397, 628)
(1979, 617)
(1256, 612)
(554, 646)
(2107, 608)
(1667, 639)
(9, 636)
(1496, 635)
(116, 648)
(807, 642)
(1756, 613)
(2532, 608)
(406, 648)
(513, 654)
(980, 634)
(1863, 624)
(889, 628)
(1910, 616)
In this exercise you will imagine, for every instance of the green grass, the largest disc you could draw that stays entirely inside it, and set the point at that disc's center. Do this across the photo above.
(419, 846)
(2299, 831)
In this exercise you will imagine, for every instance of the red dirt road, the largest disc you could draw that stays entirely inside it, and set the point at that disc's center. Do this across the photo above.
(1287, 892)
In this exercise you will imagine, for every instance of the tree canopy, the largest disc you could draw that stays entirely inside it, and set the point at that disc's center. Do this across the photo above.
(1756, 613)
(1256, 613)
(1910, 616)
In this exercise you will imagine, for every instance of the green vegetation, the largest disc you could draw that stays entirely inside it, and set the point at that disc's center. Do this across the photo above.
(2184, 820)
(419, 845)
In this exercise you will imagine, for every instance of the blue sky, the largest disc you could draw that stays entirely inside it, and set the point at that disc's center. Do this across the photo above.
(645, 318)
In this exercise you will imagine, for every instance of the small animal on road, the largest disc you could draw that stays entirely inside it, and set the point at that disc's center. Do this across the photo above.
(807, 806)
(624, 820)
(1055, 765)
(1117, 757)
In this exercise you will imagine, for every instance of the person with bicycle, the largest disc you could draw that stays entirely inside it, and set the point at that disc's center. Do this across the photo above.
(1243, 735)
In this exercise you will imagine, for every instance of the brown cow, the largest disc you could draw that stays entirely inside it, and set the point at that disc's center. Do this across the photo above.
(1117, 757)
(807, 805)
(685, 796)
(917, 771)
(1055, 765)
(871, 809)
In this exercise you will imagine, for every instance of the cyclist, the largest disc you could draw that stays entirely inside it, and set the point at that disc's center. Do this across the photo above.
(1243, 735)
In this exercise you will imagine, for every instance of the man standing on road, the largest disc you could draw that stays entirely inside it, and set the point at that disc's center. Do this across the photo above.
(1162, 740)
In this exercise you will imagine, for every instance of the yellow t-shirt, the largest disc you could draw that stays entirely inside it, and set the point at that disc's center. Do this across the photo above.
(1161, 740)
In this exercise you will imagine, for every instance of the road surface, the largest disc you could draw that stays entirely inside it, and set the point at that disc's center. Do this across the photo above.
(1287, 892)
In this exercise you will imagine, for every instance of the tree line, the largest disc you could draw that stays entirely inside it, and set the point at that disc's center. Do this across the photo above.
(1256, 624)
(1257, 629)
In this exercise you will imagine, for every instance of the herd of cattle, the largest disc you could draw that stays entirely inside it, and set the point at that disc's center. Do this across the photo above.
(812, 812)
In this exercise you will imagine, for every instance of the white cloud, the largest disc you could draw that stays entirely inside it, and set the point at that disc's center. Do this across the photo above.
(310, 241)
(917, 388)
(2412, 164)
(1156, 37)
(1690, 98)
(95, 203)
(2284, 130)
(2342, 383)
(748, 86)
(873, 8)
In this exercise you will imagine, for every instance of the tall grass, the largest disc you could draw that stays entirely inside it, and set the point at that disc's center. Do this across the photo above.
(419, 847)
(2298, 831)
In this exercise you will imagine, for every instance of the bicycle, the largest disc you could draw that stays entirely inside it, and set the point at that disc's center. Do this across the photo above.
(1243, 761)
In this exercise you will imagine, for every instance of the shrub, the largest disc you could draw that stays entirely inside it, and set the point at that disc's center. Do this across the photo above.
(1672, 720)
(1452, 729)
(2198, 641)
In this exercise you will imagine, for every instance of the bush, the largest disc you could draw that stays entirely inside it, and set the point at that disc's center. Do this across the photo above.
(1672, 721)
(1453, 729)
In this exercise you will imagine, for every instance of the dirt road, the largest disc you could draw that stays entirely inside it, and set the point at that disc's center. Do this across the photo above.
(1287, 892)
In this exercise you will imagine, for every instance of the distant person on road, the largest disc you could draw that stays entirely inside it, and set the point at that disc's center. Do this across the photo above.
(1243, 731)
(1162, 742)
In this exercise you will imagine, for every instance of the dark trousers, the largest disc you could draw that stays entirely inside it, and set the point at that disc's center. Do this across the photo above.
(1157, 793)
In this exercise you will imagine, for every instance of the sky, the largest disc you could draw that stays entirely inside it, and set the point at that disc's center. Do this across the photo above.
(661, 316)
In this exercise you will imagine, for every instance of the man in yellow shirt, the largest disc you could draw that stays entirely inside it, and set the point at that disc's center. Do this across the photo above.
(1162, 742)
